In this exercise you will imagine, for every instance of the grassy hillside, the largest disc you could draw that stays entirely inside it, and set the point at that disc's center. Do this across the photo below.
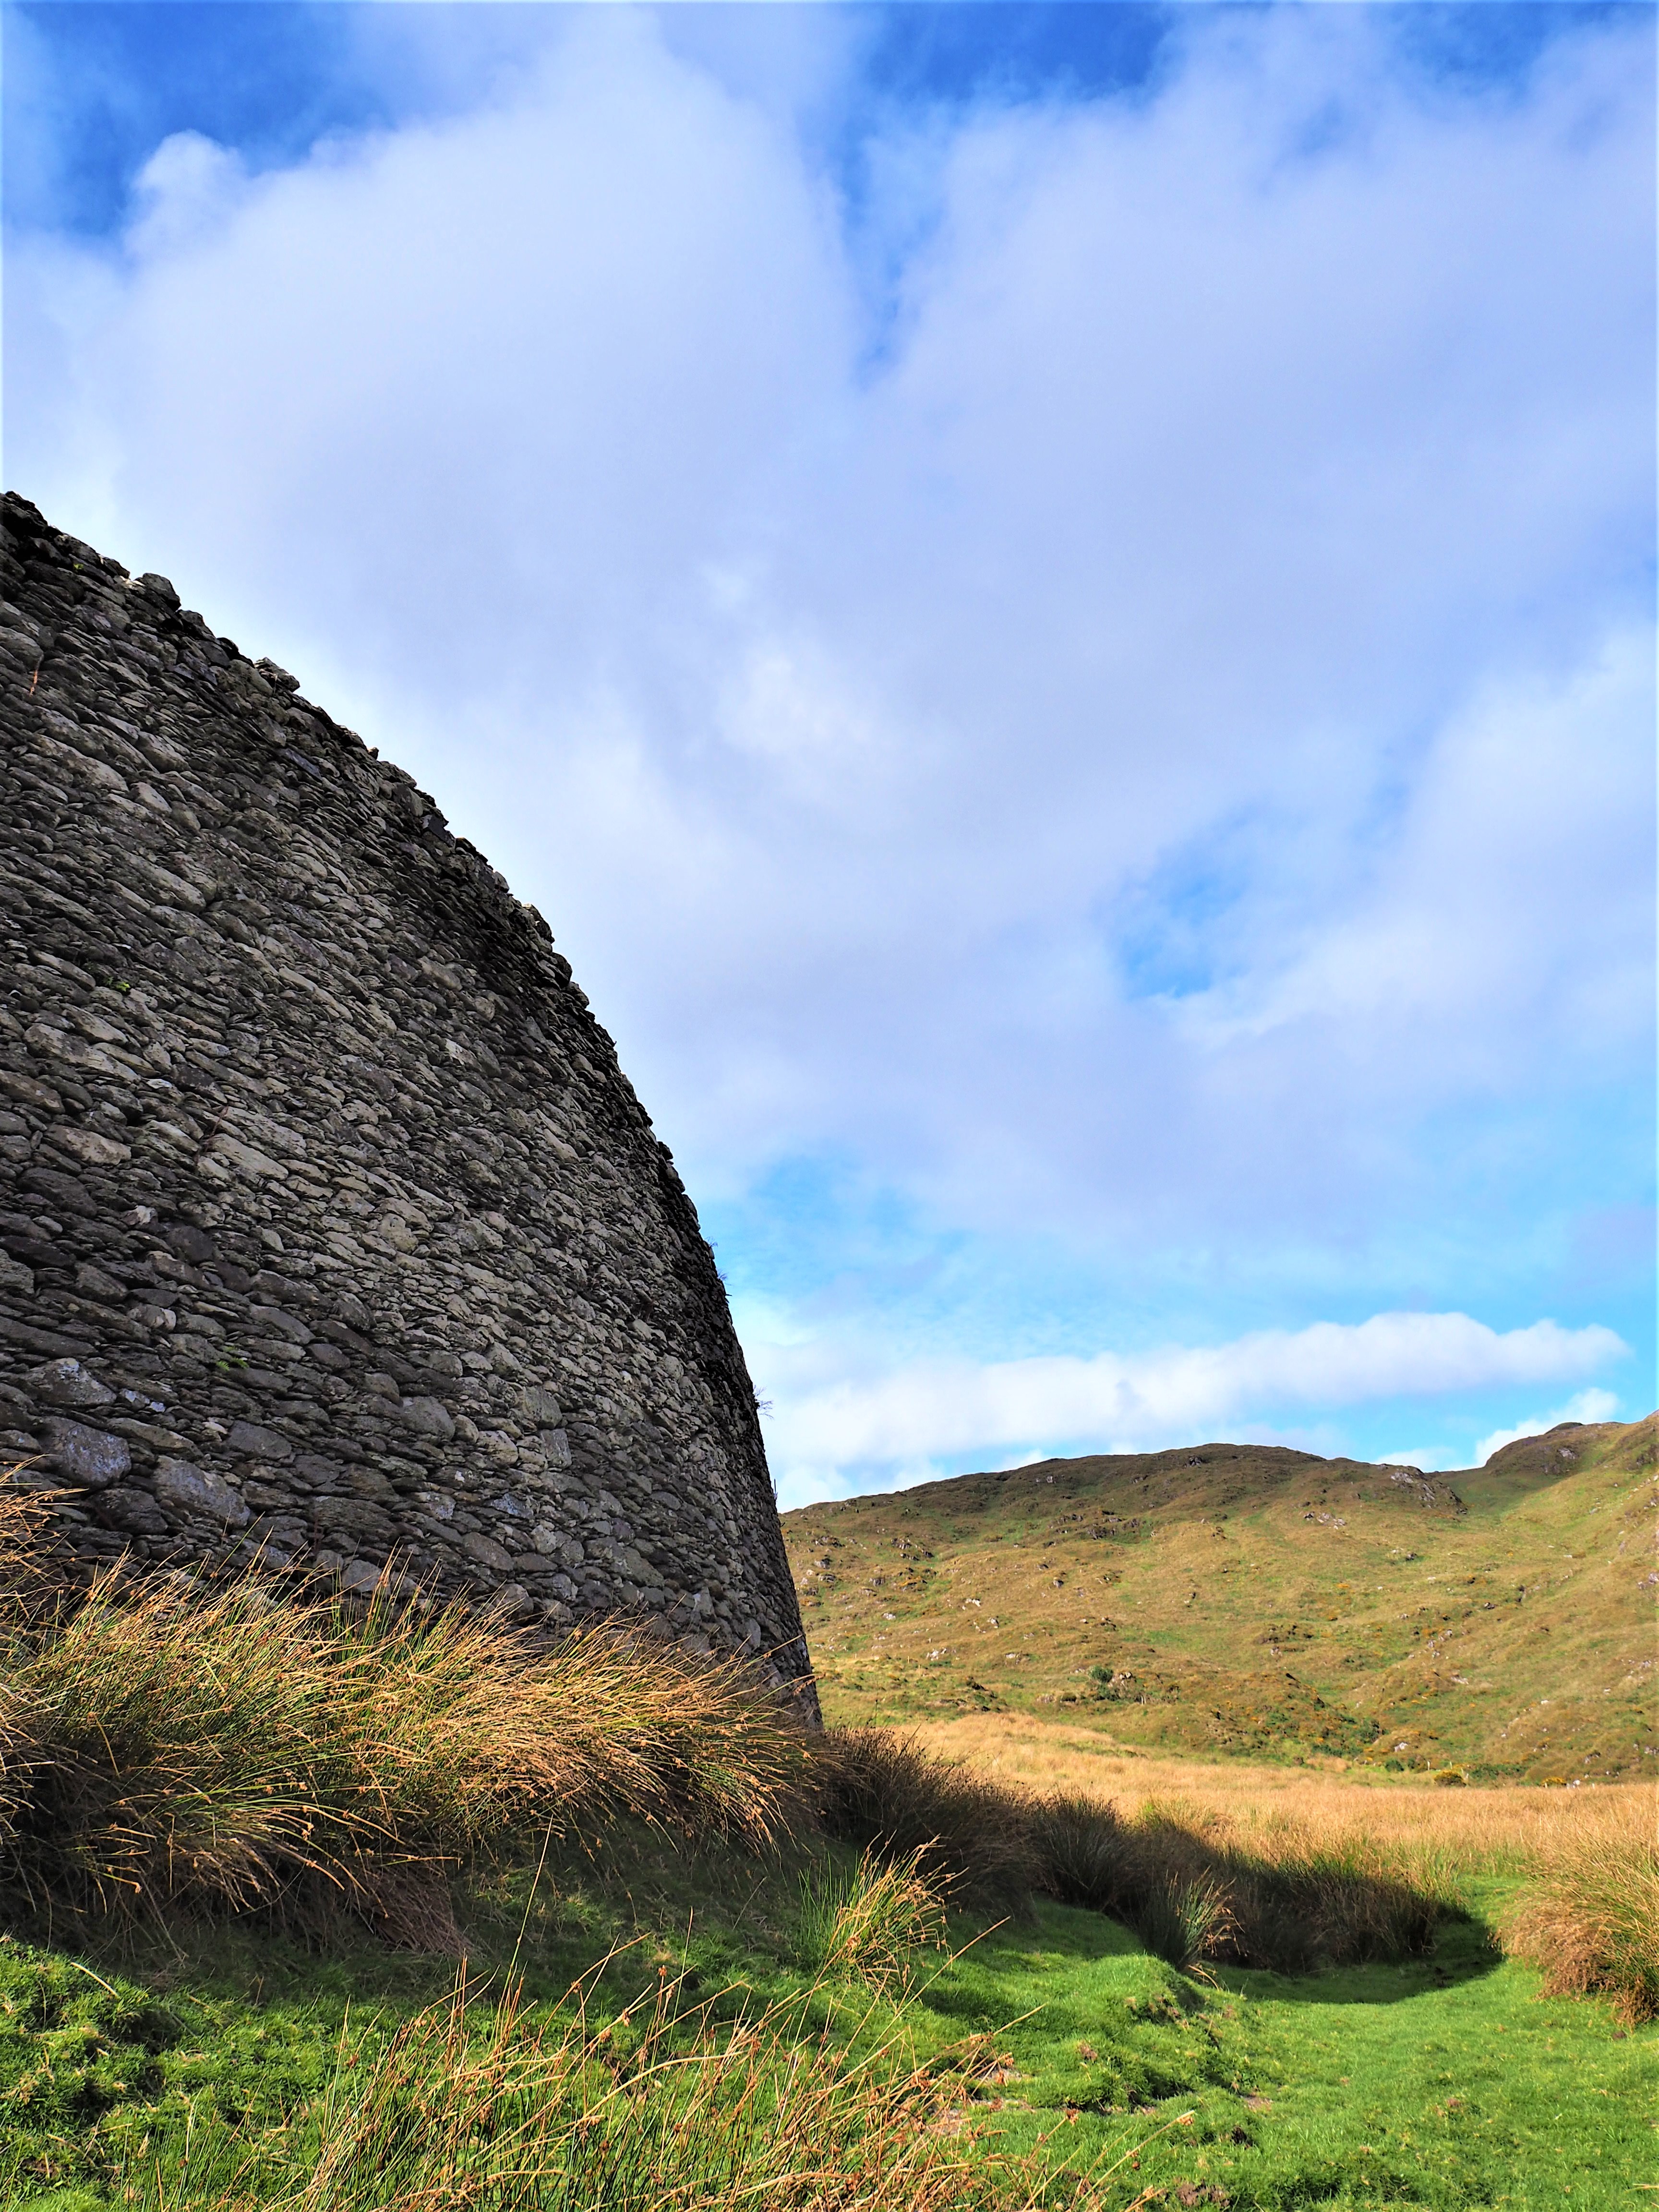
(1244, 1600)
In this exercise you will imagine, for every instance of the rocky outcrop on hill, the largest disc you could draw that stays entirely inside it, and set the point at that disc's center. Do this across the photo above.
(332, 1230)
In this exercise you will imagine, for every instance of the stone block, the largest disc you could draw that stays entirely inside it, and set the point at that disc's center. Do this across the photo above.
(199, 1493)
(252, 1440)
(428, 1418)
(67, 1382)
(485, 1552)
(89, 1458)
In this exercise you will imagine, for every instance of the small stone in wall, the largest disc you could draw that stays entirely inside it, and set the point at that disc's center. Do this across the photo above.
(487, 1552)
(66, 1383)
(135, 1512)
(89, 1457)
(199, 1493)
(88, 1146)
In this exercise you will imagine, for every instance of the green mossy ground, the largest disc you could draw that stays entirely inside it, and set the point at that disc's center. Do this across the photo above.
(1444, 2083)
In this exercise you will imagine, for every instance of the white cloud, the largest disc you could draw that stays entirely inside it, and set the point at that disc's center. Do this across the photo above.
(1586, 1406)
(904, 1423)
(1214, 512)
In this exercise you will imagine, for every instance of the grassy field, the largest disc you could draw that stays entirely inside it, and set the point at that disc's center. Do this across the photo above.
(316, 1906)
(1061, 2042)
(1260, 1603)
(1477, 1829)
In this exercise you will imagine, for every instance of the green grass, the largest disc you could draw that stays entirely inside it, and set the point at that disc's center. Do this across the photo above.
(1444, 2082)
(711, 1961)
(873, 1923)
(1243, 1601)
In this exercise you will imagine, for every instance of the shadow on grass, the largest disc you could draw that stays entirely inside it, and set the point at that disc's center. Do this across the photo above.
(1465, 1950)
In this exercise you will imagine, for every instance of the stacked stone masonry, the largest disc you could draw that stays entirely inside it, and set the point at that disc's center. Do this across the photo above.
(332, 1230)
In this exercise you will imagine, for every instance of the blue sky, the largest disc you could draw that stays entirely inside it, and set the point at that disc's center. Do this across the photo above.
(1056, 603)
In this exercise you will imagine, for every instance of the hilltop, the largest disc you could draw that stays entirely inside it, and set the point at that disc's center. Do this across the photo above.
(1251, 1600)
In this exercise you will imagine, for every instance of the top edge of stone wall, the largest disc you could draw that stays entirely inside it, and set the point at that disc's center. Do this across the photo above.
(404, 802)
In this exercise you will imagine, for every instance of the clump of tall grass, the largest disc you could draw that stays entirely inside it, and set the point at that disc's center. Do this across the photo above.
(167, 1743)
(870, 1923)
(1085, 1850)
(1589, 1919)
(1185, 1919)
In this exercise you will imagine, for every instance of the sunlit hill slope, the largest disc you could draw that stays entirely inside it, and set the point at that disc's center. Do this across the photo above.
(1241, 1599)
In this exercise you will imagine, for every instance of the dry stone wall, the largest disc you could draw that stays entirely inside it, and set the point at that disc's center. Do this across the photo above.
(332, 1228)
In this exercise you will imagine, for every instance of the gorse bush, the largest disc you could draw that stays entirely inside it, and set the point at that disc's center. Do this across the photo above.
(1590, 1920)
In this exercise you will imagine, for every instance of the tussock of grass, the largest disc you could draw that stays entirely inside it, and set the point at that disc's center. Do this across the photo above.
(870, 1923)
(1192, 1893)
(172, 1744)
(1590, 1919)
(1185, 1919)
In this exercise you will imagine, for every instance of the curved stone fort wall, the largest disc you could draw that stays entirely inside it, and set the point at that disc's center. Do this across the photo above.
(332, 1228)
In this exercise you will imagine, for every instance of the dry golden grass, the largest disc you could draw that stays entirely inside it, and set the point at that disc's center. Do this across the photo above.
(1504, 1829)
(1590, 1916)
(654, 2121)
(167, 1742)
